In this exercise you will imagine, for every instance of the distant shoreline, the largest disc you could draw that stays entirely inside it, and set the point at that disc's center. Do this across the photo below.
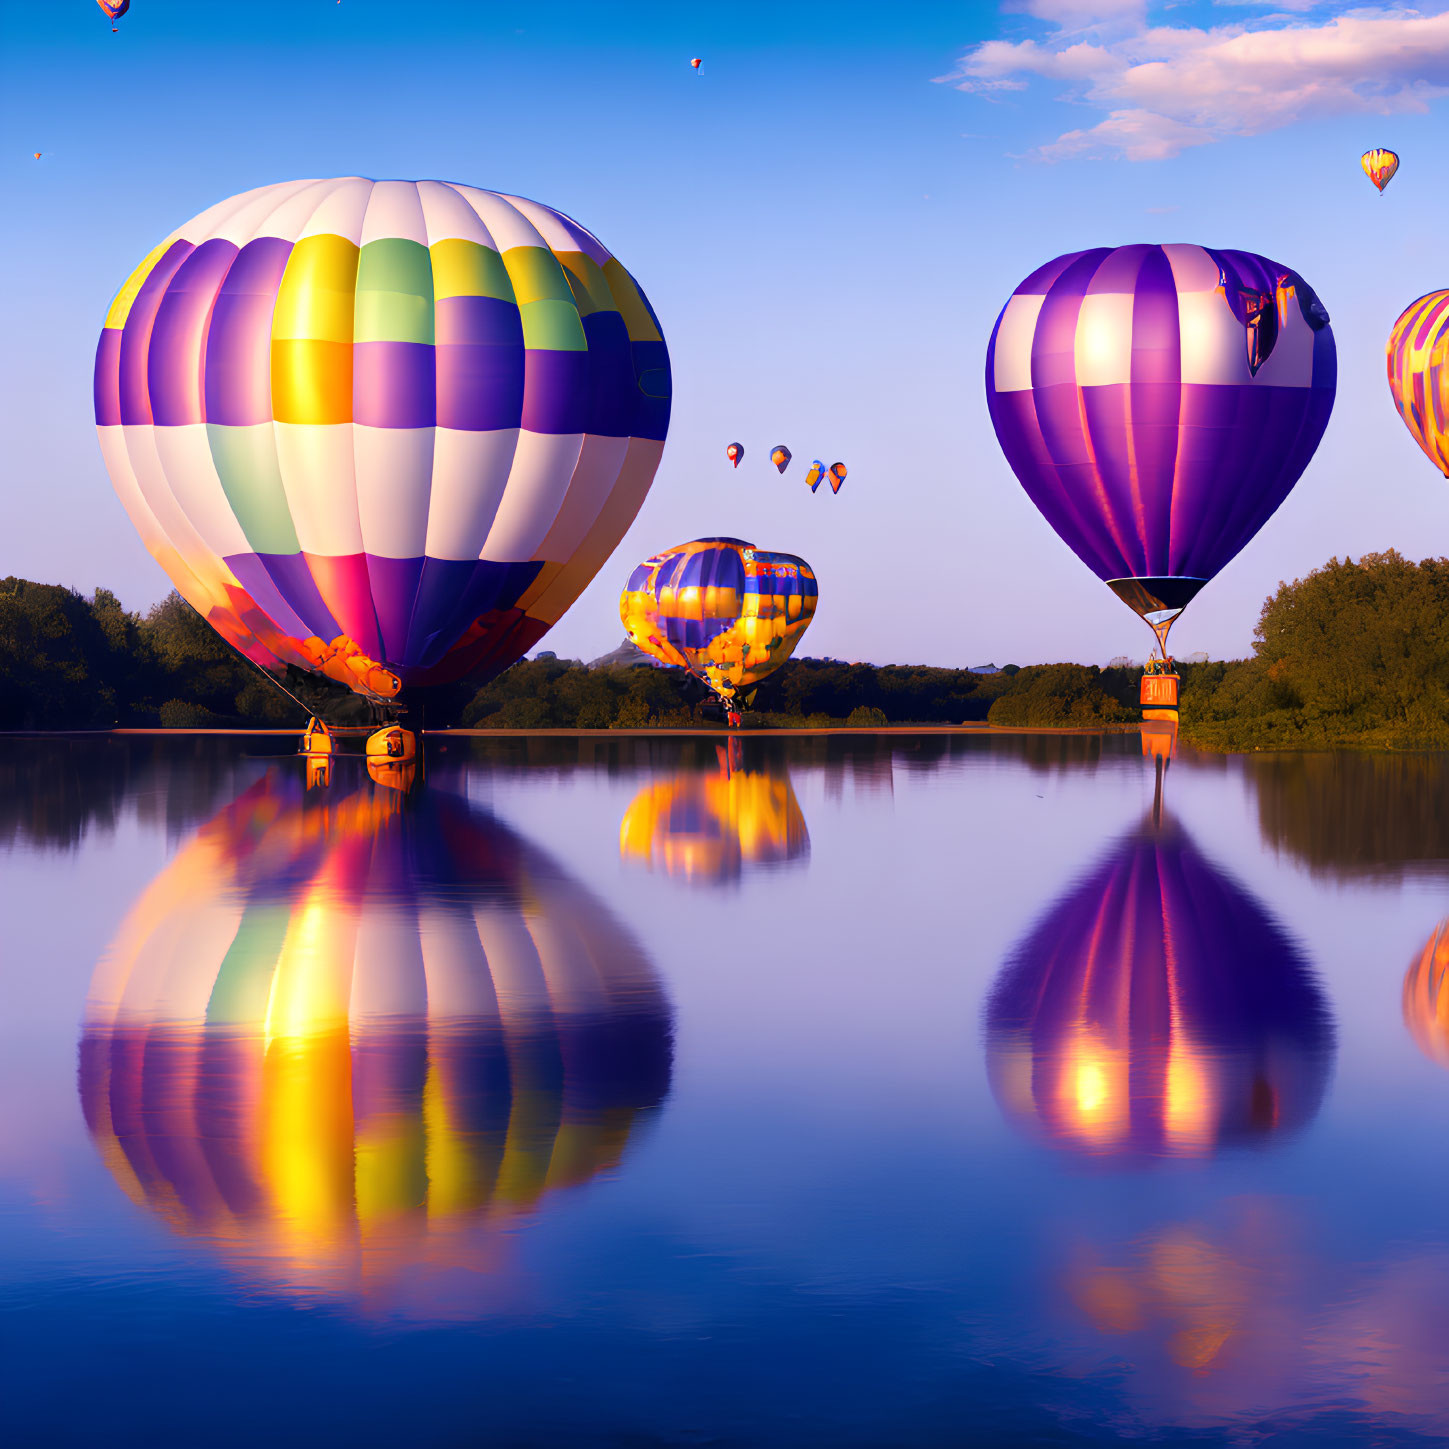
(362, 731)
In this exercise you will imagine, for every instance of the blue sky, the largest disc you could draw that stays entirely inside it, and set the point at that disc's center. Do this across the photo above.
(826, 222)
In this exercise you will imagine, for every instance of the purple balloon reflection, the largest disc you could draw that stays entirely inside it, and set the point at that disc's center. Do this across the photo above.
(1158, 1010)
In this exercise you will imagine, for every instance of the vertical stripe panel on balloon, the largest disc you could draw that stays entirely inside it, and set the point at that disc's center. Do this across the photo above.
(394, 474)
(346, 588)
(186, 460)
(238, 361)
(1071, 489)
(318, 478)
(641, 462)
(470, 473)
(175, 360)
(144, 521)
(150, 475)
(543, 466)
(136, 335)
(1154, 407)
(245, 460)
(595, 475)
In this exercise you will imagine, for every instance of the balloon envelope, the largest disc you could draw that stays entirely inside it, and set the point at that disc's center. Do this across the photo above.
(114, 8)
(735, 453)
(1418, 358)
(1379, 166)
(383, 430)
(814, 475)
(780, 457)
(837, 476)
(722, 609)
(1158, 403)
(1157, 1010)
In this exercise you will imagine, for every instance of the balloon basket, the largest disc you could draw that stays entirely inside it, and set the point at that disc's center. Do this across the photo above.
(1158, 696)
(316, 740)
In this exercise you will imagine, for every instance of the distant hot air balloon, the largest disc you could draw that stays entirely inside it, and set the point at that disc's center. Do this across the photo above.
(114, 9)
(1379, 166)
(1158, 403)
(347, 1043)
(1157, 1011)
(384, 431)
(696, 63)
(724, 610)
(1418, 354)
(37, 155)
(711, 827)
(780, 457)
(735, 453)
(814, 475)
(837, 476)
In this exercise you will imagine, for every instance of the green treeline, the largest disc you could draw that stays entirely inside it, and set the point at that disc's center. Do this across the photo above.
(1356, 653)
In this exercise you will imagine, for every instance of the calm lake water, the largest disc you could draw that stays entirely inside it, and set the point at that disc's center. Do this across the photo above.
(872, 1091)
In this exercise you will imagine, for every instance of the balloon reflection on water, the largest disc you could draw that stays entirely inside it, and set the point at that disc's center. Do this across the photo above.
(1157, 1011)
(710, 826)
(1426, 1002)
(346, 1039)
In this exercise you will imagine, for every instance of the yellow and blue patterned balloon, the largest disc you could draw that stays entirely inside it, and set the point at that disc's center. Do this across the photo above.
(728, 612)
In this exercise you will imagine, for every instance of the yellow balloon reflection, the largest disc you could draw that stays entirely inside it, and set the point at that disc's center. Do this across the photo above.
(710, 826)
(346, 1038)
(1158, 1011)
(1426, 1002)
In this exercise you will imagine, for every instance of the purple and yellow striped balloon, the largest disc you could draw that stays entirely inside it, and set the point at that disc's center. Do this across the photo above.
(1158, 403)
(1418, 361)
(386, 430)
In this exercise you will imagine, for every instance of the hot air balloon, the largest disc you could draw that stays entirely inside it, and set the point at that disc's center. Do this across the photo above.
(350, 1044)
(37, 155)
(114, 9)
(724, 610)
(1379, 166)
(711, 827)
(696, 63)
(1158, 403)
(837, 476)
(383, 431)
(735, 453)
(780, 457)
(1418, 355)
(1157, 1011)
(815, 474)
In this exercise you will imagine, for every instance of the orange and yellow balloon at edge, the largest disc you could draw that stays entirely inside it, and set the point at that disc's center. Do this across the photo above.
(1379, 165)
(1418, 372)
(724, 610)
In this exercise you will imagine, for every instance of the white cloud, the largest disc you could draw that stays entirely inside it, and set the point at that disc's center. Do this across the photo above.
(1163, 88)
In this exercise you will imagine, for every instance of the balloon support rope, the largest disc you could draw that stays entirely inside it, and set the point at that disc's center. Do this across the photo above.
(271, 679)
